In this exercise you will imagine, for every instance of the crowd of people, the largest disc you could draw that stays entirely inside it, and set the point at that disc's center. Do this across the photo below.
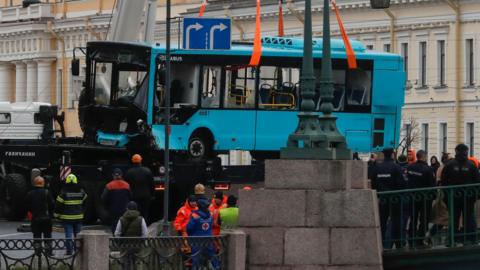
(127, 199)
(413, 220)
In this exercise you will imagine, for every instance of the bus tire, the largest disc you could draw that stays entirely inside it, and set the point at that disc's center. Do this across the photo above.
(199, 147)
(14, 191)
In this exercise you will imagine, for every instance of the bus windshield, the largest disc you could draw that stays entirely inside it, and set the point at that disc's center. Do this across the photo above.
(117, 74)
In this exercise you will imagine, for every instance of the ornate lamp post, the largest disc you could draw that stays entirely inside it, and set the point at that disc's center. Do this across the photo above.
(318, 137)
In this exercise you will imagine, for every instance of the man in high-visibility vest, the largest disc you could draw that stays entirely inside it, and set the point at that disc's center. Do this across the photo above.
(229, 215)
(69, 209)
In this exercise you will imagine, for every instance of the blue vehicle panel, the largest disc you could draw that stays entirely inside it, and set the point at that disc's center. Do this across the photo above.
(374, 127)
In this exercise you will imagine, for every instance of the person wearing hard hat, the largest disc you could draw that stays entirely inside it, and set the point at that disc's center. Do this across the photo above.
(140, 179)
(40, 204)
(70, 208)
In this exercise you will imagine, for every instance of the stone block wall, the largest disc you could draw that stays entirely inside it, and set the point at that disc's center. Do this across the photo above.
(312, 215)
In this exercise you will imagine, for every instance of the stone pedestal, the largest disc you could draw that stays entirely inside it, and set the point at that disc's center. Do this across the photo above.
(95, 250)
(312, 214)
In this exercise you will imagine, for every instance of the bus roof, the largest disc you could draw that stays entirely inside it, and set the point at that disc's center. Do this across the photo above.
(286, 47)
(271, 46)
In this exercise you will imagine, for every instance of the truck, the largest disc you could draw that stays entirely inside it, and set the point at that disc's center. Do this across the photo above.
(33, 139)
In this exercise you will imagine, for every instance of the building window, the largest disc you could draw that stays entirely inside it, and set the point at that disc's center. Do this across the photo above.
(470, 138)
(386, 47)
(469, 69)
(404, 53)
(443, 138)
(424, 145)
(441, 62)
(370, 47)
(423, 64)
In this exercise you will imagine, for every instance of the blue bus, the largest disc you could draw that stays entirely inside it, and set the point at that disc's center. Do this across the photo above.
(220, 104)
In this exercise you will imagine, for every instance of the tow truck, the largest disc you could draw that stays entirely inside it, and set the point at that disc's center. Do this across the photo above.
(44, 145)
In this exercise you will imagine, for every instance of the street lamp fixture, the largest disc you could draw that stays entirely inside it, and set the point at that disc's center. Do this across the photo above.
(317, 137)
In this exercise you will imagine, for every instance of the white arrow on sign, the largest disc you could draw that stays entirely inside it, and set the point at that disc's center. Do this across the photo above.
(220, 27)
(195, 26)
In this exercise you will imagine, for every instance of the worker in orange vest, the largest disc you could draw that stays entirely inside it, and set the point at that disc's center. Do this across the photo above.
(215, 207)
(183, 215)
(474, 160)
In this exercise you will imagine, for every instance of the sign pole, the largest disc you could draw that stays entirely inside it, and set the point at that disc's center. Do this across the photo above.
(166, 224)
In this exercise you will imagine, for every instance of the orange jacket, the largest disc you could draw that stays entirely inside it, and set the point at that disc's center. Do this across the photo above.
(215, 212)
(182, 218)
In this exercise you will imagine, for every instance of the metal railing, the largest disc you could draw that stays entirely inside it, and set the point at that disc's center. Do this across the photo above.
(169, 253)
(38, 254)
(443, 216)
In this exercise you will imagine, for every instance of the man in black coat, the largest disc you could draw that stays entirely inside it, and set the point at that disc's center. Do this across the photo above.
(41, 204)
(420, 175)
(140, 179)
(461, 171)
(387, 176)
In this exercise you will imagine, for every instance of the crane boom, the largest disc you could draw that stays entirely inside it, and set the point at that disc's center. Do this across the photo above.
(127, 20)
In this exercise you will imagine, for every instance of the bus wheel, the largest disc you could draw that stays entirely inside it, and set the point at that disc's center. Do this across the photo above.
(199, 148)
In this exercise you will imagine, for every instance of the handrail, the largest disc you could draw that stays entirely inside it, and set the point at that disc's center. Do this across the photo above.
(427, 189)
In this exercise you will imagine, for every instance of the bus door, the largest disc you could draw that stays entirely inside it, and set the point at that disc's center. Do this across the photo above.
(277, 107)
(235, 128)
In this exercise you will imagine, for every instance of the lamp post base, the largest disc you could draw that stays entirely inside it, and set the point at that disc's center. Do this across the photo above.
(316, 138)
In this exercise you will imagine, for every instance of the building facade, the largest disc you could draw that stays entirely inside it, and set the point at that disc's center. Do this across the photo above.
(36, 48)
(439, 40)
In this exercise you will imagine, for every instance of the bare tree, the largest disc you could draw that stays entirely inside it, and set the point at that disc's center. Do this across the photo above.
(411, 130)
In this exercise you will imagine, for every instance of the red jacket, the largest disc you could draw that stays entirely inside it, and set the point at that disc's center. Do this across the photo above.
(182, 218)
(215, 212)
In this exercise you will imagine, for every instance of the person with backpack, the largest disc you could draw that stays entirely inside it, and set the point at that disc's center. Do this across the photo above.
(131, 224)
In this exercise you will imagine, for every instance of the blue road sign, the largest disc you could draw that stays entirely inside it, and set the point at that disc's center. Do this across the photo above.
(206, 34)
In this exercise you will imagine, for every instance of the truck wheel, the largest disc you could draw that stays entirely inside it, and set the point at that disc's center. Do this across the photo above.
(14, 190)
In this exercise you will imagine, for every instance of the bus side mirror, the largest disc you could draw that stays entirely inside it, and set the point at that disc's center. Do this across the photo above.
(379, 4)
(75, 67)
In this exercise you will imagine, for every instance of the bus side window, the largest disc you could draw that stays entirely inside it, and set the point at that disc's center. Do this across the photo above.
(211, 87)
(278, 88)
(338, 100)
(240, 87)
(358, 88)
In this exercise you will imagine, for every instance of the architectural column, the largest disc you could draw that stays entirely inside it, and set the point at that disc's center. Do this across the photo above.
(20, 81)
(5, 82)
(44, 76)
(32, 87)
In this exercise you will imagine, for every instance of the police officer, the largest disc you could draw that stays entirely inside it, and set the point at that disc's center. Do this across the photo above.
(69, 209)
(420, 175)
(140, 179)
(460, 171)
(388, 176)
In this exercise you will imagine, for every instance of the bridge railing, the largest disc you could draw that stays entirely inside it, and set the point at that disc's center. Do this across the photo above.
(442, 216)
(172, 253)
(38, 254)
